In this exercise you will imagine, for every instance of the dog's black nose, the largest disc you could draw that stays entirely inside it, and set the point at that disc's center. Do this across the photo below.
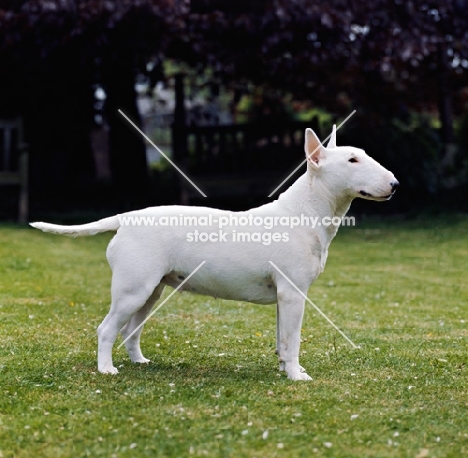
(394, 185)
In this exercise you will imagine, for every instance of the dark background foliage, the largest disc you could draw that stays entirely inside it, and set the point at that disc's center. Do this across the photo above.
(401, 64)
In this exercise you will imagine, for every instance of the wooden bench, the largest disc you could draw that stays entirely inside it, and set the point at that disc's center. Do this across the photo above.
(14, 163)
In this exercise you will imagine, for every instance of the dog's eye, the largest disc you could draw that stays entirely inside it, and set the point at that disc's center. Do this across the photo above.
(353, 160)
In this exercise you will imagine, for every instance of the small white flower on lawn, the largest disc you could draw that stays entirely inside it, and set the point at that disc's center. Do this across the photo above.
(221, 354)
(249, 423)
(132, 446)
(411, 387)
(280, 445)
(245, 432)
(437, 439)
(265, 434)
(396, 434)
(171, 384)
(98, 391)
(377, 349)
(327, 444)
(354, 416)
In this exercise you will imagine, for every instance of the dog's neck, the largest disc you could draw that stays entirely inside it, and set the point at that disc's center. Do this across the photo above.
(311, 196)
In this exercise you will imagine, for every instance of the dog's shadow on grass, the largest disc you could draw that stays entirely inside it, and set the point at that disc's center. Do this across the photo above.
(196, 370)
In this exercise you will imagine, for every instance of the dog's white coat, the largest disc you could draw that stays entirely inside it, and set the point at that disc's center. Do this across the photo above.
(145, 259)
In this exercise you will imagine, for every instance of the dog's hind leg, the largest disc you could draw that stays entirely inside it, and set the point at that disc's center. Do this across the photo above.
(135, 326)
(131, 291)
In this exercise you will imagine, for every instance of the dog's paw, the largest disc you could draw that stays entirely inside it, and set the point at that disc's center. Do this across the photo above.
(305, 376)
(296, 372)
(282, 367)
(142, 360)
(109, 370)
(298, 375)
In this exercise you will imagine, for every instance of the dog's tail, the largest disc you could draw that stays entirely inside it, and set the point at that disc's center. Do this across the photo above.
(103, 225)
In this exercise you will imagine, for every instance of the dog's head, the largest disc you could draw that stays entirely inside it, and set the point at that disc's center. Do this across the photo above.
(348, 170)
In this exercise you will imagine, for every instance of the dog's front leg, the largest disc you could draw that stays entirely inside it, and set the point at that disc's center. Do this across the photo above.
(277, 351)
(290, 311)
(281, 363)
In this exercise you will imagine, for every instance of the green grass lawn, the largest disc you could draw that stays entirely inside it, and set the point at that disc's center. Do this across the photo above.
(399, 290)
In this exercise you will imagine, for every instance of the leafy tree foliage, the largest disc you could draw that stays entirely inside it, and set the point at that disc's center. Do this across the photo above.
(379, 56)
(375, 54)
(53, 55)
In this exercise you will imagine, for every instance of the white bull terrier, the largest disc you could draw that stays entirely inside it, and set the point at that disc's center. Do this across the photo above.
(145, 257)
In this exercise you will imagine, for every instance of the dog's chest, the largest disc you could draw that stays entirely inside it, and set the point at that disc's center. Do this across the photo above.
(257, 289)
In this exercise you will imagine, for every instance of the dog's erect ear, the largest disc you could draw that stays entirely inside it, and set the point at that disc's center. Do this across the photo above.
(332, 141)
(313, 148)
